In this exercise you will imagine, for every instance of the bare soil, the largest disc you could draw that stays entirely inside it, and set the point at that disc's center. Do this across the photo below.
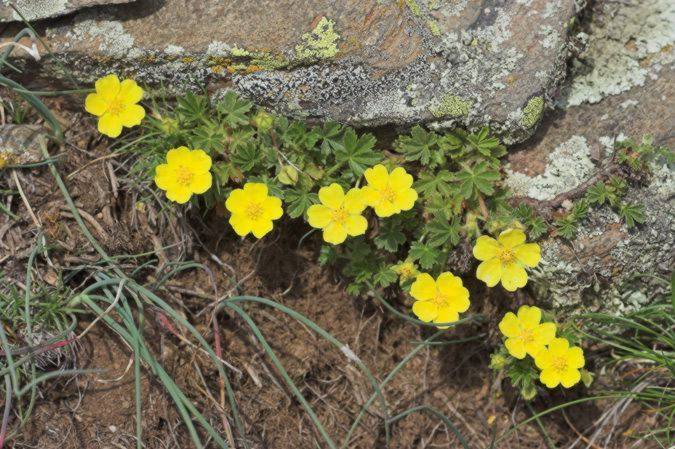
(97, 410)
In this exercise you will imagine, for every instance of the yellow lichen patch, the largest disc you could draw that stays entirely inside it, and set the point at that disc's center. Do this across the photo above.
(320, 43)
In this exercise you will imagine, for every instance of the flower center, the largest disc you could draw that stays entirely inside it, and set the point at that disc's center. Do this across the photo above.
(388, 194)
(254, 211)
(340, 215)
(527, 335)
(559, 363)
(507, 256)
(115, 107)
(184, 175)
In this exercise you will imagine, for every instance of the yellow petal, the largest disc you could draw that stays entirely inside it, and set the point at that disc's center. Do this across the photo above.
(405, 199)
(511, 238)
(385, 209)
(490, 272)
(399, 179)
(201, 182)
(513, 276)
(95, 104)
(319, 216)
(515, 347)
(542, 359)
(528, 254)
(130, 92)
(558, 346)
(236, 202)
(370, 195)
(424, 287)
(570, 377)
(132, 115)
(550, 378)
(356, 225)
(545, 333)
(178, 156)
(377, 176)
(272, 208)
(448, 284)
(335, 233)
(255, 191)
(575, 357)
(201, 162)
(180, 194)
(529, 316)
(446, 315)
(332, 195)
(509, 325)
(163, 177)
(486, 248)
(354, 202)
(110, 125)
(241, 224)
(260, 228)
(425, 310)
(108, 87)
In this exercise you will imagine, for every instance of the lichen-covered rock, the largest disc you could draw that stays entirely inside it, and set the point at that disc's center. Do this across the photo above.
(21, 144)
(43, 9)
(607, 267)
(363, 62)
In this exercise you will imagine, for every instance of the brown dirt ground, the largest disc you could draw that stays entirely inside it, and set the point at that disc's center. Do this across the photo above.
(97, 411)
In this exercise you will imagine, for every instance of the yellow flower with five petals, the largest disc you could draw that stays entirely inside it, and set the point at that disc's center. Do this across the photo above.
(253, 210)
(505, 259)
(524, 333)
(388, 193)
(440, 300)
(185, 173)
(115, 105)
(560, 364)
(339, 214)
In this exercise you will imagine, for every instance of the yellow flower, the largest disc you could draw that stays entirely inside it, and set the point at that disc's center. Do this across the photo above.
(388, 193)
(339, 214)
(524, 334)
(186, 172)
(560, 364)
(114, 103)
(505, 258)
(253, 209)
(440, 300)
(406, 270)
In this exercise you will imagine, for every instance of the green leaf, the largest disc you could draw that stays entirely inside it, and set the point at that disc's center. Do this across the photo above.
(210, 137)
(632, 214)
(390, 236)
(245, 158)
(357, 151)
(486, 145)
(430, 183)
(566, 227)
(441, 231)
(192, 107)
(537, 227)
(385, 276)
(234, 109)
(426, 255)
(421, 146)
(477, 179)
(298, 201)
(598, 193)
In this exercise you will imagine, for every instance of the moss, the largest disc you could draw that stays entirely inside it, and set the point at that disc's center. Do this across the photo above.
(532, 112)
(414, 7)
(320, 43)
(451, 106)
(433, 27)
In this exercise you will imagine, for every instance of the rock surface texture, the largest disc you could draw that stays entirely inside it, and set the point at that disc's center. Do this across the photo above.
(622, 86)
(363, 62)
(43, 9)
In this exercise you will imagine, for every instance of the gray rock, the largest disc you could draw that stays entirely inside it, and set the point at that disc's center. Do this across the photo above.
(623, 87)
(21, 144)
(363, 62)
(43, 9)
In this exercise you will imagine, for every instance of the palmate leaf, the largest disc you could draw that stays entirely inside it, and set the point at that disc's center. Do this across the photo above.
(477, 179)
(298, 201)
(390, 236)
(192, 107)
(385, 276)
(426, 255)
(430, 183)
(598, 193)
(421, 146)
(441, 231)
(234, 109)
(632, 214)
(356, 151)
(246, 157)
(486, 145)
